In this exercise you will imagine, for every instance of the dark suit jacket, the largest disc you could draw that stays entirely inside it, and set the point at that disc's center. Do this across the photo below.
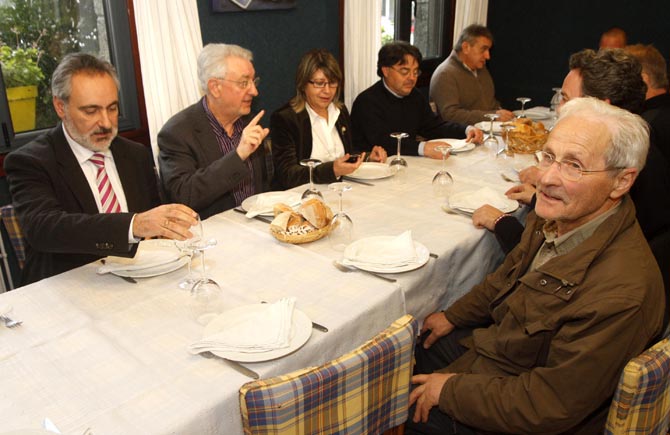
(376, 113)
(57, 210)
(195, 172)
(292, 141)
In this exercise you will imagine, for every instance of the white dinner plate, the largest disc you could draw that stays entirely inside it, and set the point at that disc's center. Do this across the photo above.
(371, 171)
(485, 126)
(161, 269)
(301, 330)
(422, 257)
(503, 203)
(150, 254)
(289, 198)
(457, 145)
(535, 115)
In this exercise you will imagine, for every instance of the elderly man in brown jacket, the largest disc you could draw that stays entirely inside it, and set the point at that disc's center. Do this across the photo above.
(539, 345)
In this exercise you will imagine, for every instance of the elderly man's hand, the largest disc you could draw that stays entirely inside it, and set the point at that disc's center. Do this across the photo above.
(171, 221)
(341, 167)
(252, 137)
(485, 217)
(530, 175)
(475, 135)
(439, 326)
(427, 394)
(378, 154)
(522, 193)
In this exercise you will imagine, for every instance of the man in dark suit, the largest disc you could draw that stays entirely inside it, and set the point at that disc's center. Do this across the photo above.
(210, 154)
(80, 191)
(393, 104)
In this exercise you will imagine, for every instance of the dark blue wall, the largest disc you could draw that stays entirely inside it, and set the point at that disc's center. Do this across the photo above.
(278, 40)
(534, 39)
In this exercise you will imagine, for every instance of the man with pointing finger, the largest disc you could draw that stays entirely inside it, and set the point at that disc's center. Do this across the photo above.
(80, 191)
(210, 154)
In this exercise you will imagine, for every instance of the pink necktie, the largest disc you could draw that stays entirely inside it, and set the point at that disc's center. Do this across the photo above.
(107, 196)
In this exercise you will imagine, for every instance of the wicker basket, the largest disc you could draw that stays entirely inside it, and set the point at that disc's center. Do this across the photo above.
(526, 143)
(297, 239)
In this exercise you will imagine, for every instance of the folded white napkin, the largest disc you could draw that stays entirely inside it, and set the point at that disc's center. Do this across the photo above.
(397, 250)
(150, 253)
(267, 327)
(474, 200)
(265, 202)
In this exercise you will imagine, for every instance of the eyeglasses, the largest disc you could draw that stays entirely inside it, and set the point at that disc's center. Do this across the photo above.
(242, 84)
(569, 169)
(406, 71)
(322, 84)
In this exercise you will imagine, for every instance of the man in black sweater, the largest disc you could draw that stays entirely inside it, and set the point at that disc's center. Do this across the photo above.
(393, 104)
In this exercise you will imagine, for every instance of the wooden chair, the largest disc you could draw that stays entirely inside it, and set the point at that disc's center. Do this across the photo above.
(365, 391)
(641, 403)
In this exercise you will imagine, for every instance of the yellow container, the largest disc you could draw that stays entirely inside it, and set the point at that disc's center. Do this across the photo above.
(22, 101)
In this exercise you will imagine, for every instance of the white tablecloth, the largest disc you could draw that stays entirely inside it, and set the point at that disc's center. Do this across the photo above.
(96, 351)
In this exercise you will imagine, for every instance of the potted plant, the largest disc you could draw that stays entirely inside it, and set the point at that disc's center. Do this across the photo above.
(21, 74)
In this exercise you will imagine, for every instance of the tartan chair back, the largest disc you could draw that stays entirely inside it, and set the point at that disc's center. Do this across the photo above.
(11, 223)
(641, 403)
(365, 391)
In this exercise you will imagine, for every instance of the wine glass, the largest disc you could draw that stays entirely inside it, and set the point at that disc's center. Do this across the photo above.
(312, 192)
(398, 165)
(490, 141)
(442, 181)
(206, 299)
(504, 154)
(556, 102)
(342, 225)
(523, 101)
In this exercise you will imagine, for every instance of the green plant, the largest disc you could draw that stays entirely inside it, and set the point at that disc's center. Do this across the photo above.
(19, 66)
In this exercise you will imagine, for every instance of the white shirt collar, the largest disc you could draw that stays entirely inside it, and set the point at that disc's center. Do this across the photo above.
(333, 114)
(81, 153)
(389, 89)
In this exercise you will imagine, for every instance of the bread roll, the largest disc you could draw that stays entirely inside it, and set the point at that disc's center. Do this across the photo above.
(295, 220)
(316, 213)
(280, 208)
(280, 222)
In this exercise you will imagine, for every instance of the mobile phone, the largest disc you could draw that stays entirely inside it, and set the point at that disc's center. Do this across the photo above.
(353, 158)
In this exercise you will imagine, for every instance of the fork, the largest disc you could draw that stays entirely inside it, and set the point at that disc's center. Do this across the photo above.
(10, 323)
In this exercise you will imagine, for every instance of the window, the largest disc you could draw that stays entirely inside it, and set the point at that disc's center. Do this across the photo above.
(34, 36)
(426, 24)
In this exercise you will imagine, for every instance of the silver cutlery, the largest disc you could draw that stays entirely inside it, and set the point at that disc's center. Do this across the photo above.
(125, 278)
(506, 178)
(235, 365)
(456, 211)
(356, 180)
(433, 255)
(9, 323)
(347, 268)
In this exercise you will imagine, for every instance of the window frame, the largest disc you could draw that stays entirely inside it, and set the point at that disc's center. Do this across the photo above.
(119, 20)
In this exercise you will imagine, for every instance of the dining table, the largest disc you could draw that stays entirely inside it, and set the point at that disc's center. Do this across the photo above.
(97, 352)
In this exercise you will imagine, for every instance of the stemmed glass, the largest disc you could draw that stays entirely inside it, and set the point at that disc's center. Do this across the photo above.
(312, 192)
(190, 247)
(342, 225)
(398, 165)
(555, 102)
(504, 154)
(490, 141)
(523, 101)
(442, 181)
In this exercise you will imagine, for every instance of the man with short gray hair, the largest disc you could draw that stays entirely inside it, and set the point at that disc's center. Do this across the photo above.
(461, 87)
(539, 345)
(211, 156)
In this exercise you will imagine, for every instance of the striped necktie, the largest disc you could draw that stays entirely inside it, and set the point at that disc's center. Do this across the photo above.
(107, 197)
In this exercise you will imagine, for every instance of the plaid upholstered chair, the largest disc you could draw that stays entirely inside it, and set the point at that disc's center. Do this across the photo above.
(365, 391)
(641, 403)
(11, 223)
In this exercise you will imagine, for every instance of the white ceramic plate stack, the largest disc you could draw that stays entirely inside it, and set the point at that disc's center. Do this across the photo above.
(457, 145)
(153, 258)
(263, 203)
(538, 113)
(371, 171)
(386, 254)
(485, 126)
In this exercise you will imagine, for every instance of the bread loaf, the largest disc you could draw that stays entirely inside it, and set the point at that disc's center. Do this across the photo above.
(279, 208)
(316, 213)
(280, 222)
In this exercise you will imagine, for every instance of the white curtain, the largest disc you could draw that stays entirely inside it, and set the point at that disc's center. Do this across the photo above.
(169, 40)
(469, 12)
(362, 40)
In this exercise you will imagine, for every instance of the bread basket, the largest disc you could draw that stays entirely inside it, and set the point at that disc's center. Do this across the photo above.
(298, 238)
(525, 141)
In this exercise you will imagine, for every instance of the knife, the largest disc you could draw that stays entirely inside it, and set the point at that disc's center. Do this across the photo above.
(233, 364)
(259, 217)
(356, 180)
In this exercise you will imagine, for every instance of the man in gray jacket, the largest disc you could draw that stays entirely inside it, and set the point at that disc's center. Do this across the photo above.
(538, 346)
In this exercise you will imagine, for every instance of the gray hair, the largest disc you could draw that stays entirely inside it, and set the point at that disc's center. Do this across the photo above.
(75, 63)
(212, 61)
(629, 133)
(470, 35)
